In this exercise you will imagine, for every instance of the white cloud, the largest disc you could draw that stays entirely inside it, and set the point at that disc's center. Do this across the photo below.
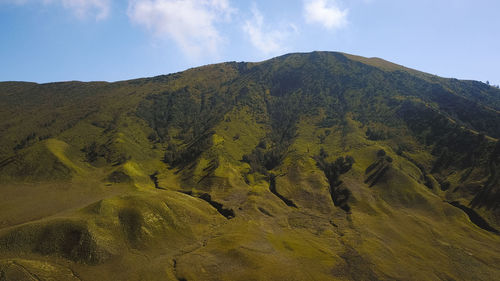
(81, 8)
(265, 40)
(190, 23)
(326, 13)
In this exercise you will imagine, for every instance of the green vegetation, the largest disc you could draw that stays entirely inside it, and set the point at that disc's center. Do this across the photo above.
(316, 166)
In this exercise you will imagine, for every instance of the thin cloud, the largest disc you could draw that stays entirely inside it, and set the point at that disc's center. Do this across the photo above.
(81, 8)
(326, 13)
(87, 8)
(265, 40)
(191, 24)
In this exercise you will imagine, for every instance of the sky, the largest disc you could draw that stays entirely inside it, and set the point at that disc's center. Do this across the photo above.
(110, 40)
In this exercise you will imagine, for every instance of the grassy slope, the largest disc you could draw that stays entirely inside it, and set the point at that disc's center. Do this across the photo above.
(62, 211)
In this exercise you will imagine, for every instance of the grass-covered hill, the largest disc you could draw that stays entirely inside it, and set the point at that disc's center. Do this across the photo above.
(316, 166)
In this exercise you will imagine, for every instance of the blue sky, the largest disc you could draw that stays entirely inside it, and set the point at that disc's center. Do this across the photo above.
(88, 40)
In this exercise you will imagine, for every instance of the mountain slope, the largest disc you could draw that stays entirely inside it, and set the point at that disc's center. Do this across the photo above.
(312, 166)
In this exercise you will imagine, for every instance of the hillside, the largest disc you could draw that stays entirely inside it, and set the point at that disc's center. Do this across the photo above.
(311, 166)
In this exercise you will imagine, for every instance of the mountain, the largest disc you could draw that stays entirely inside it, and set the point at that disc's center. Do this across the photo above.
(310, 166)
